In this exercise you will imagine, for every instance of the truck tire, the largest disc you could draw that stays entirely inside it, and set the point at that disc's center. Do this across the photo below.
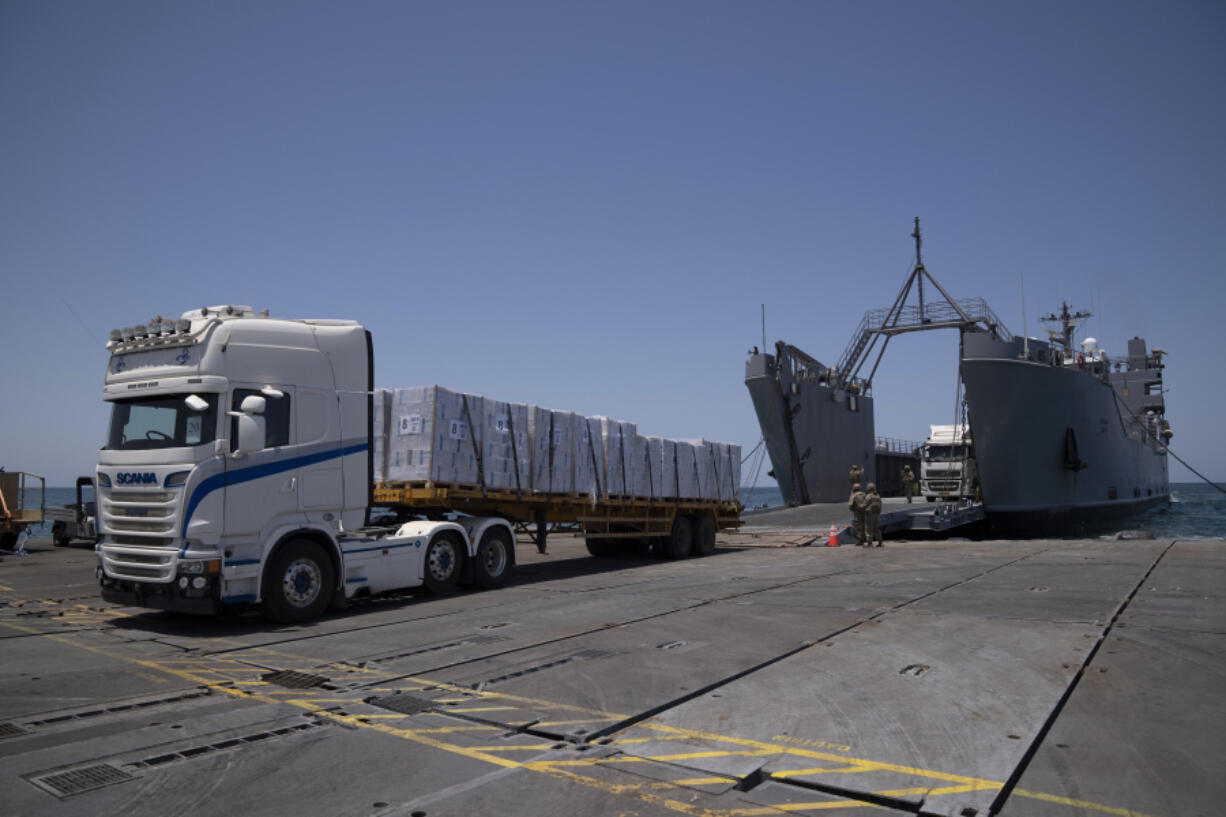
(704, 534)
(493, 563)
(602, 548)
(681, 541)
(444, 558)
(299, 583)
(58, 536)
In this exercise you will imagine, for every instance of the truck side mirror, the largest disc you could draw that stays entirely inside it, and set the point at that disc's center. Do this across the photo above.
(252, 404)
(251, 424)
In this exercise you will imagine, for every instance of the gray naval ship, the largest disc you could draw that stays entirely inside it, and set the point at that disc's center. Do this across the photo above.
(1065, 438)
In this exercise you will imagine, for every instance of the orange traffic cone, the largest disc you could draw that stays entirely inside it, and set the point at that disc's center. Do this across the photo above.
(833, 541)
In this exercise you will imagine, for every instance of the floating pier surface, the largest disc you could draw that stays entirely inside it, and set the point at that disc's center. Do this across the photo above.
(777, 676)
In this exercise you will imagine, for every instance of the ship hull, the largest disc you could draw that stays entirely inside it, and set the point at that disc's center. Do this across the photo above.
(813, 434)
(1054, 451)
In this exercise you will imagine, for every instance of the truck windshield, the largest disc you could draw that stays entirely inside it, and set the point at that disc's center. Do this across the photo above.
(165, 421)
(944, 452)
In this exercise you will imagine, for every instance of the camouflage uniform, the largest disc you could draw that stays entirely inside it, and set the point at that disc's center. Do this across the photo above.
(856, 506)
(908, 482)
(854, 476)
(872, 510)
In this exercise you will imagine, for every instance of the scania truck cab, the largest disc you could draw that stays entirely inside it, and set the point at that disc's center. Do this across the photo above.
(237, 470)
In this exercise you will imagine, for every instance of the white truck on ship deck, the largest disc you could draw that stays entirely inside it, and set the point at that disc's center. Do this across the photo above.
(947, 464)
(238, 469)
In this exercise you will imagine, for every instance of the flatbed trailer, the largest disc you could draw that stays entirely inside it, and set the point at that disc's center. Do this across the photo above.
(673, 528)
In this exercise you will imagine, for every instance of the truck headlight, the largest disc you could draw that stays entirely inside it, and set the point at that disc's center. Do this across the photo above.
(199, 566)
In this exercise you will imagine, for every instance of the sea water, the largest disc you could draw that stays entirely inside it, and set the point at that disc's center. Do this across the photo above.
(1197, 510)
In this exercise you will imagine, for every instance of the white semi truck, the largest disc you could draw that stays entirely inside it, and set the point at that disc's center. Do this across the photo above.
(238, 471)
(947, 464)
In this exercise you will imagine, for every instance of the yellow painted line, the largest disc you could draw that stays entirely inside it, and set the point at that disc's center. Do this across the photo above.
(554, 769)
(1068, 801)
(655, 739)
(827, 770)
(444, 730)
(6, 587)
(384, 717)
(523, 748)
(541, 765)
(868, 765)
(478, 709)
(578, 720)
(692, 755)
(701, 781)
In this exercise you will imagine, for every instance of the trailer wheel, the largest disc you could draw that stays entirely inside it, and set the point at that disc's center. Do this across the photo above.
(681, 541)
(443, 562)
(493, 558)
(704, 534)
(299, 582)
(601, 548)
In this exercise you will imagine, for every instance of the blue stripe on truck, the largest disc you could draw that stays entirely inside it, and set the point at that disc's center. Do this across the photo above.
(240, 475)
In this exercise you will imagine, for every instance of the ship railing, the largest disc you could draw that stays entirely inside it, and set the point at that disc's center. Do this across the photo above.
(910, 318)
(805, 367)
(895, 445)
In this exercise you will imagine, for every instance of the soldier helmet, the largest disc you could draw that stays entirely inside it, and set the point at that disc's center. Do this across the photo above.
(872, 488)
(855, 487)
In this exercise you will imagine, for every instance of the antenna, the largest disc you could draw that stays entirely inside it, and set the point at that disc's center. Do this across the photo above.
(763, 328)
(1021, 273)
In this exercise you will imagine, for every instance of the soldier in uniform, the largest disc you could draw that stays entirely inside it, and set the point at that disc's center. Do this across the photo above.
(872, 511)
(854, 477)
(856, 506)
(908, 482)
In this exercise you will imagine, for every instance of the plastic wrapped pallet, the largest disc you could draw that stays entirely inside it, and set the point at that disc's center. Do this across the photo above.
(429, 437)
(617, 437)
(664, 451)
(727, 471)
(704, 452)
(380, 400)
(654, 467)
(589, 461)
(687, 471)
(504, 440)
(552, 437)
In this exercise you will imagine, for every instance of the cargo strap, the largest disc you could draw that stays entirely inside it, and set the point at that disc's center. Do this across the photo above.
(651, 482)
(621, 441)
(472, 436)
(519, 491)
(552, 446)
(591, 450)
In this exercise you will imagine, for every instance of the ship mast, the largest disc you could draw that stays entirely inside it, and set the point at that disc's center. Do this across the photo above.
(1068, 323)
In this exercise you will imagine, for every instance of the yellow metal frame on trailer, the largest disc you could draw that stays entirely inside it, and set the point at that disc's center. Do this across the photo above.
(613, 517)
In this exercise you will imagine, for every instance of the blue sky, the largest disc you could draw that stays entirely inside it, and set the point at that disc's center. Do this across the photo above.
(585, 205)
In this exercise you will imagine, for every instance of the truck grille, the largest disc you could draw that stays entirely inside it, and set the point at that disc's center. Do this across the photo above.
(141, 564)
(943, 484)
(140, 517)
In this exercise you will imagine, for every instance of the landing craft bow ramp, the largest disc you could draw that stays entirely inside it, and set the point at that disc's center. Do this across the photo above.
(1076, 677)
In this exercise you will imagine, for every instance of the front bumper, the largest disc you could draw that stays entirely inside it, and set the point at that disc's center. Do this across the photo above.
(159, 596)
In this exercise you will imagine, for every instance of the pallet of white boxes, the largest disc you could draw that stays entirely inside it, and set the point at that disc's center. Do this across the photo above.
(430, 434)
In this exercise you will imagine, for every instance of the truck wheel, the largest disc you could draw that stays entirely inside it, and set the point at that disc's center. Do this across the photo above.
(602, 548)
(443, 561)
(58, 536)
(299, 583)
(493, 558)
(704, 534)
(679, 544)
